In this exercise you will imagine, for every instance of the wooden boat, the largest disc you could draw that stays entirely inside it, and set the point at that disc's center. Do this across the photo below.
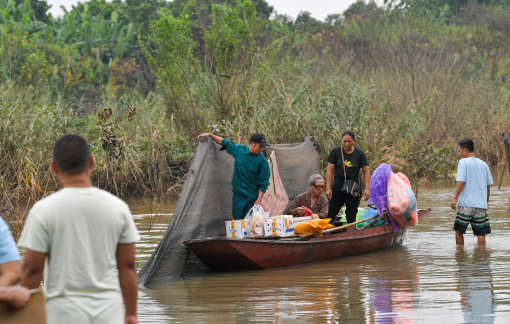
(222, 253)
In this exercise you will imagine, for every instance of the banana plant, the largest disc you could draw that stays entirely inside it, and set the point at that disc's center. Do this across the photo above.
(21, 14)
(91, 33)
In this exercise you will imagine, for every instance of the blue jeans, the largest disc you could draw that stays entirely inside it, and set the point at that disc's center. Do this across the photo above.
(241, 206)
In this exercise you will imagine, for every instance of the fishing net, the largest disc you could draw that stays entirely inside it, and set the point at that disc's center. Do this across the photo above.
(205, 204)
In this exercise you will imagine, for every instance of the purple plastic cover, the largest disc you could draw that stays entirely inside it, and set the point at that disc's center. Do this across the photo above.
(379, 191)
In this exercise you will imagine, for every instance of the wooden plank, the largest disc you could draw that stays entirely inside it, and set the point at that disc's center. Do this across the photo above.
(33, 313)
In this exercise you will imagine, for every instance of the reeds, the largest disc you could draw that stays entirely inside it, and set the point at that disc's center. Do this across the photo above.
(149, 160)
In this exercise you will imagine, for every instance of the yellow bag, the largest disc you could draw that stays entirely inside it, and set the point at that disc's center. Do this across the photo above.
(313, 226)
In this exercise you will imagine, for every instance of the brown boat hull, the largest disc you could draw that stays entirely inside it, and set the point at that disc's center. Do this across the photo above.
(237, 254)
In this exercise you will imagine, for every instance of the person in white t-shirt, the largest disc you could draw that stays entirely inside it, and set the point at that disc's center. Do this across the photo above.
(471, 199)
(81, 235)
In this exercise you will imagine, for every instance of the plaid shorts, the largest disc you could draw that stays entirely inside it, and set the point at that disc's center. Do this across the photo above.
(477, 217)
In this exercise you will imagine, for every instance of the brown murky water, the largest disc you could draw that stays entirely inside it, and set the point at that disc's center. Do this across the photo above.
(428, 279)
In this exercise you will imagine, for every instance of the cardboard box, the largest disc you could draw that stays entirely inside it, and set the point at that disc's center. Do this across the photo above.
(236, 229)
(279, 226)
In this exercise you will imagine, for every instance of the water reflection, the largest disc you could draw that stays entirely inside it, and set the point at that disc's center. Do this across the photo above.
(428, 279)
(475, 284)
(393, 298)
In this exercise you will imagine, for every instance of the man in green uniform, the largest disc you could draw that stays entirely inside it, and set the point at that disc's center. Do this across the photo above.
(251, 172)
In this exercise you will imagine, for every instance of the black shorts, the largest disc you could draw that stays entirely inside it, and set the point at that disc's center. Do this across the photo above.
(477, 217)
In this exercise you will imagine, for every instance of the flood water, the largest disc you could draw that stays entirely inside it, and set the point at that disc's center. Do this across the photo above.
(427, 279)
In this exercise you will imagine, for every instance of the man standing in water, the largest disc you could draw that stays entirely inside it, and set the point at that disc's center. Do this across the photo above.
(471, 199)
(84, 234)
(251, 172)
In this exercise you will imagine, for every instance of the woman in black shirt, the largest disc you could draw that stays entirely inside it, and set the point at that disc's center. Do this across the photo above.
(355, 159)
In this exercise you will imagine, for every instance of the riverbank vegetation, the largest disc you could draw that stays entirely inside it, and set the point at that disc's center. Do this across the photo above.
(140, 79)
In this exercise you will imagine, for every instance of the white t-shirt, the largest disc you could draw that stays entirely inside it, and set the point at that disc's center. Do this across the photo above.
(476, 176)
(80, 228)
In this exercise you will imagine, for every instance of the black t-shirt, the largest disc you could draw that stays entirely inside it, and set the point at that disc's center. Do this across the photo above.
(353, 163)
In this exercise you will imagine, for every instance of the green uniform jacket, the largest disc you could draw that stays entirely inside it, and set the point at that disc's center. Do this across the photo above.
(251, 171)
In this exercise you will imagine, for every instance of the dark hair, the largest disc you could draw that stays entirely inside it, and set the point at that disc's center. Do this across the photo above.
(350, 133)
(466, 143)
(71, 154)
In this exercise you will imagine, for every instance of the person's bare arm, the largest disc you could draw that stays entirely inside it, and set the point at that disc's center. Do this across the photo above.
(10, 273)
(128, 280)
(32, 270)
(329, 179)
(368, 176)
(488, 195)
(16, 297)
(259, 199)
(460, 186)
(215, 138)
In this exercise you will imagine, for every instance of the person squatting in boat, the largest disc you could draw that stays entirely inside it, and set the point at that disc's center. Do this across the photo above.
(251, 172)
(311, 203)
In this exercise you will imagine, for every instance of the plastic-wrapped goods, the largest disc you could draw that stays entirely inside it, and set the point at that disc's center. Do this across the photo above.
(254, 221)
(313, 226)
(236, 228)
(402, 204)
(398, 198)
(379, 187)
(411, 206)
(404, 179)
(414, 220)
(411, 214)
(279, 226)
(369, 212)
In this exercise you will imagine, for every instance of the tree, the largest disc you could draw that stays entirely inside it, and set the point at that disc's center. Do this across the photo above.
(95, 7)
(334, 20)
(209, 70)
(305, 22)
(359, 8)
(262, 8)
(143, 12)
(40, 8)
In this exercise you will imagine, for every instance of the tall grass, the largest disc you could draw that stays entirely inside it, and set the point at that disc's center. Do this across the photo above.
(154, 157)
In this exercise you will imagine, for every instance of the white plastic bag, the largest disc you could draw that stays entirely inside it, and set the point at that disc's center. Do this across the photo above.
(254, 221)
